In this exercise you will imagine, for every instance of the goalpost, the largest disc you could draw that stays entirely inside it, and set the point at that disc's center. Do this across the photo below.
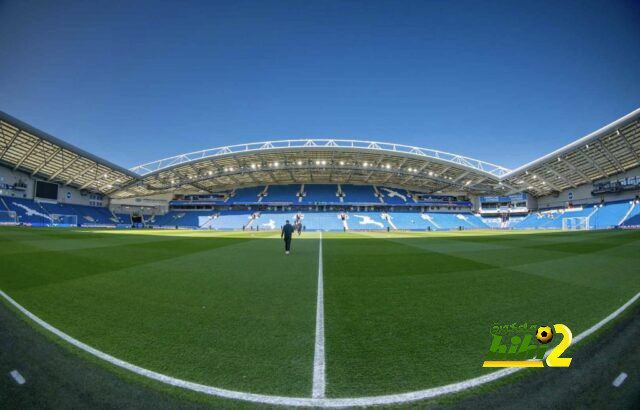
(64, 220)
(578, 223)
(8, 218)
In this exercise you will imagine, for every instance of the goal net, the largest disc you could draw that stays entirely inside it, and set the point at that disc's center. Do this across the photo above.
(8, 218)
(575, 224)
(64, 220)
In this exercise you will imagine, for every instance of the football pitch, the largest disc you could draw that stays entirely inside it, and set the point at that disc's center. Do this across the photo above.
(401, 311)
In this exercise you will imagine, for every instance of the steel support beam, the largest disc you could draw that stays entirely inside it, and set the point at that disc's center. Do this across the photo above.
(10, 144)
(64, 167)
(26, 155)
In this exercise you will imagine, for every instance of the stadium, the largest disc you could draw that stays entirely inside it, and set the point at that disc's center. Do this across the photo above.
(187, 287)
(337, 204)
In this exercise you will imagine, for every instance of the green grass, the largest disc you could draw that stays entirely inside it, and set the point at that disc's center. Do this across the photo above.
(403, 311)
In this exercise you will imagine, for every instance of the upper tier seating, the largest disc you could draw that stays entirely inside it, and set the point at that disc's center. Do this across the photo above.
(281, 194)
(246, 195)
(359, 194)
(320, 194)
(323, 194)
(394, 196)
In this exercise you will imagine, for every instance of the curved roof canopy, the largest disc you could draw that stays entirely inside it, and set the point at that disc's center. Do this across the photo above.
(602, 154)
(611, 150)
(316, 161)
(27, 149)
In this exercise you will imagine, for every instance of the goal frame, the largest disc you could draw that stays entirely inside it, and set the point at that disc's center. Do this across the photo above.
(12, 218)
(575, 223)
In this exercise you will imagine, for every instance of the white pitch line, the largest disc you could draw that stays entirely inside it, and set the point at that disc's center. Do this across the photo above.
(17, 377)
(617, 382)
(301, 401)
(319, 383)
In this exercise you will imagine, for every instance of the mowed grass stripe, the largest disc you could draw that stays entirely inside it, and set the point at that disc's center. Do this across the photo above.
(403, 318)
(239, 316)
(402, 314)
(39, 268)
(17, 240)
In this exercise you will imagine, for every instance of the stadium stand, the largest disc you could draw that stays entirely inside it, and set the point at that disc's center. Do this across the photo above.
(320, 220)
(597, 216)
(610, 215)
(320, 194)
(281, 194)
(633, 218)
(355, 194)
(393, 196)
(334, 184)
(245, 195)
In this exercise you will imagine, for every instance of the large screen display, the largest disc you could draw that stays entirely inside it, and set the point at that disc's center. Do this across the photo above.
(46, 190)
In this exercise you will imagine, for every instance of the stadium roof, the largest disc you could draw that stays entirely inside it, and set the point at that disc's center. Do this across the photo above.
(604, 153)
(25, 148)
(611, 150)
(315, 161)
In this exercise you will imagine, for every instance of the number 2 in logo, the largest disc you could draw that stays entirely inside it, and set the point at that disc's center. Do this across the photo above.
(554, 359)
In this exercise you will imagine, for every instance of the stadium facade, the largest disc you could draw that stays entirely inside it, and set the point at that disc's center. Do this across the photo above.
(328, 184)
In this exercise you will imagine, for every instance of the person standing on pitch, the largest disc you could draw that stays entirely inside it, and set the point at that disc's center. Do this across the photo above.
(287, 231)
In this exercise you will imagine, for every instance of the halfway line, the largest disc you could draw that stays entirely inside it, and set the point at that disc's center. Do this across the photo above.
(318, 389)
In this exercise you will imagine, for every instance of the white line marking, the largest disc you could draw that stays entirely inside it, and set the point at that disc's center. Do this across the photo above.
(318, 390)
(301, 401)
(617, 382)
(17, 377)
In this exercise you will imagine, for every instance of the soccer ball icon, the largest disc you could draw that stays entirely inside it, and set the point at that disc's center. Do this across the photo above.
(544, 334)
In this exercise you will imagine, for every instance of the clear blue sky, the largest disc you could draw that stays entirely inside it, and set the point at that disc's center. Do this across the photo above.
(503, 81)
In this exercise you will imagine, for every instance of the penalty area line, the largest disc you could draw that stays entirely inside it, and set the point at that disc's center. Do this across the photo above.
(318, 387)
